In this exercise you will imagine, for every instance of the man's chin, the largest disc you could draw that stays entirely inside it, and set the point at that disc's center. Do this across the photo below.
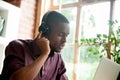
(56, 49)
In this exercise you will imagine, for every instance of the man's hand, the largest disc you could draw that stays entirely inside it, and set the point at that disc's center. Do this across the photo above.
(30, 71)
(43, 44)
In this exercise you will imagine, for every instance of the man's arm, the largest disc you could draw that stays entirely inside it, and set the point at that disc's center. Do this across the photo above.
(30, 72)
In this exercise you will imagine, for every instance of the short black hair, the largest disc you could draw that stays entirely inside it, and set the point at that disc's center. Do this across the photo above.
(54, 17)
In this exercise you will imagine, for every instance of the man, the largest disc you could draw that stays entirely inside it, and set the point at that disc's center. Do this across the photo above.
(38, 59)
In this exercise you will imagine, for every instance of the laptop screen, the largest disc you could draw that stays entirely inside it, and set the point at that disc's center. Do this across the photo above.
(107, 70)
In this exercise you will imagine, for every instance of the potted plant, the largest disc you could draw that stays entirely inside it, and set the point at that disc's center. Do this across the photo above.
(106, 45)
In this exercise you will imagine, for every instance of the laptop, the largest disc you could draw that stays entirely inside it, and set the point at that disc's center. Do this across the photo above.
(107, 70)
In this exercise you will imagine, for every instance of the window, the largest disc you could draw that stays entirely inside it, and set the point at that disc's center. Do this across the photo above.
(117, 10)
(87, 18)
(92, 23)
(57, 2)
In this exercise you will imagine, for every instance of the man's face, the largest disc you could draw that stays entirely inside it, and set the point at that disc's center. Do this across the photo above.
(58, 36)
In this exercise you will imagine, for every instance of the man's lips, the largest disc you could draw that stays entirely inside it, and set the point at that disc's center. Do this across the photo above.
(61, 46)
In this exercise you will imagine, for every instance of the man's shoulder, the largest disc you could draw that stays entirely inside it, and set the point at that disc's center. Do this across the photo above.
(16, 47)
(20, 41)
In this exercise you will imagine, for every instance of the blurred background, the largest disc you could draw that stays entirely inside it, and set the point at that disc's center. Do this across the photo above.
(21, 19)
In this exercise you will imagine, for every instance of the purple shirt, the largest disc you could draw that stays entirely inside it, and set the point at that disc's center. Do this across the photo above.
(20, 53)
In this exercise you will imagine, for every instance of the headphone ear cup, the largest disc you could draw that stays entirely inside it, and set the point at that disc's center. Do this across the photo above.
(45, 29)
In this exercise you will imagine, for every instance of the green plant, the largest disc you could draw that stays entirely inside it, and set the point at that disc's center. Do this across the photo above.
(106, 45)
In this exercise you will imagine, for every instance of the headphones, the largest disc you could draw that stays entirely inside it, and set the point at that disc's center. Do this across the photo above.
(44, 27)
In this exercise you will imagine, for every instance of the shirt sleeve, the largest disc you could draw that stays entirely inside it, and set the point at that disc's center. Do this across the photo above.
(61, 71)
(14, 59)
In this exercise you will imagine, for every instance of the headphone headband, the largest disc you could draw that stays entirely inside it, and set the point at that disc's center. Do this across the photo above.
(44, 20)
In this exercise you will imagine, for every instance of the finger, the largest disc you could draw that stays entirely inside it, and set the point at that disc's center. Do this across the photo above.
(39, 35)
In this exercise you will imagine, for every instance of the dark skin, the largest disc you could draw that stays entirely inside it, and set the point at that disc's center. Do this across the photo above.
(58, 36)
(55, 41)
